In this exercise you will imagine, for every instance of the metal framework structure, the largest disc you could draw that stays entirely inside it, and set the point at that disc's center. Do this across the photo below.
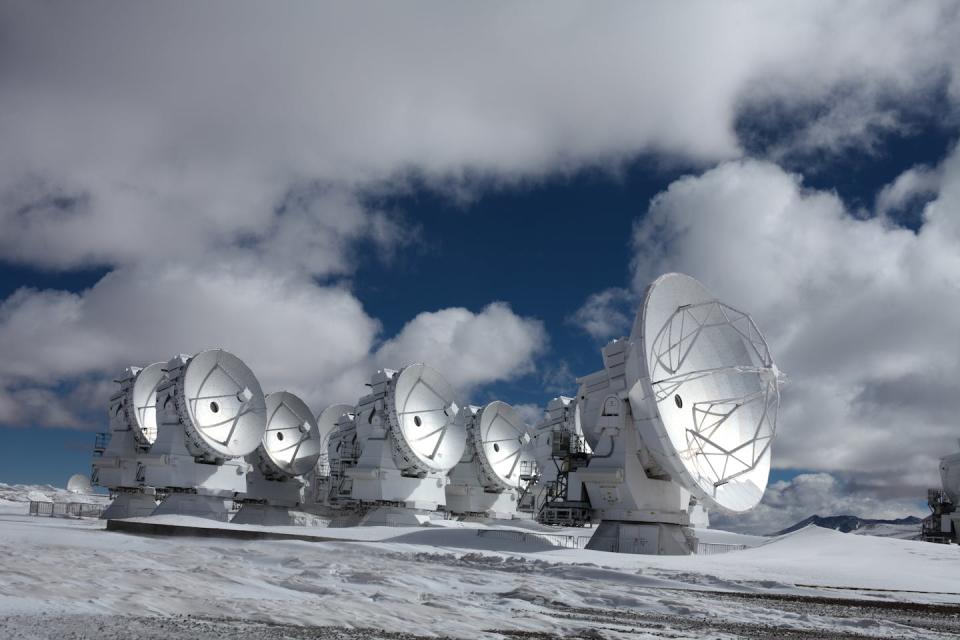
(529, 474)
(569, 453)
(943, 523)
(938, 526)
(719, 461)
(100, 443)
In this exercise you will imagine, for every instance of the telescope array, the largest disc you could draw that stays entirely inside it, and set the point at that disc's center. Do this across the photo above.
(680, 418)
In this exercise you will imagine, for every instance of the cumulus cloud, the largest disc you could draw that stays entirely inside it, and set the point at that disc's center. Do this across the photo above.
(801, 129)
(558, 378)
(787, 502)
(470, 349)
(531, 413)
(129, 130)
(606, 314)
(293, 333)
(60, 348)
(915, 186)
(859, 313)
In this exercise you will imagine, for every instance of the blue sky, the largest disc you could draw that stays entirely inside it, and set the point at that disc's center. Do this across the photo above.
(342, 198)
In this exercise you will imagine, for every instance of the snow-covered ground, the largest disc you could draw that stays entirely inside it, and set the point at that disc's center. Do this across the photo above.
(71, 578)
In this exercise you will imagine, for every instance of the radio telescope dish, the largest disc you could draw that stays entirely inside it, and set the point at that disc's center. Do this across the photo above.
(291, 442)
(225, 412)
(328, 419)
(716, 390)
(501, 440)
(144, 405)
(422, 419)
(79, 483)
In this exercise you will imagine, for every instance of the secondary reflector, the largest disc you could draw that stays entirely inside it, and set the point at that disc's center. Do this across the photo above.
(716, 389)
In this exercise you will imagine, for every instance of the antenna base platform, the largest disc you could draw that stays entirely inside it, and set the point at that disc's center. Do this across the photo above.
(653, 538)
(273, 516)
(372, 485)
(192, 504)
(287, 492)
(129, 504)
(474, 501)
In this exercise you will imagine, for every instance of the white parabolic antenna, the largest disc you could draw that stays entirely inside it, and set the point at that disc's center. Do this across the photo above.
(79, 483)
(142, 411)
(716, 390)
(501, 438)
(225, 412)
(328, 419)
(292, 442)
(421, 413)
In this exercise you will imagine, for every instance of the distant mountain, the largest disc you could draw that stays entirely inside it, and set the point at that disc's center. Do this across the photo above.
(11, 494)
(853, 524)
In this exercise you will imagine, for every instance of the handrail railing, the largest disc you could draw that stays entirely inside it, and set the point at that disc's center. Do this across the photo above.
(713, 548)
(65, 509)
(553, 539)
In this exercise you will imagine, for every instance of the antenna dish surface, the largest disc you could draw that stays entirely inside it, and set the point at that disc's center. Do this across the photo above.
(501, 441)
(423, 418)
(225, 403)
(328, 418)
(716, 390)
(145, 403)
(292, 440)
(79, 483)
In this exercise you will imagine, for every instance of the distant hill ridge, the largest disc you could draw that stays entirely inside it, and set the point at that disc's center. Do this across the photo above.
(845, 524)
(24, 493)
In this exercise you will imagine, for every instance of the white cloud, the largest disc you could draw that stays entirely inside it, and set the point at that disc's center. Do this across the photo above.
(470, 349)
(308, 227)
(314, 340)
(799, 129)
(917, 183)
(531, 414)
(606, 314)
(787, 502)
(860, 314)
(131, 131)
(558, 378)
(293, 333)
